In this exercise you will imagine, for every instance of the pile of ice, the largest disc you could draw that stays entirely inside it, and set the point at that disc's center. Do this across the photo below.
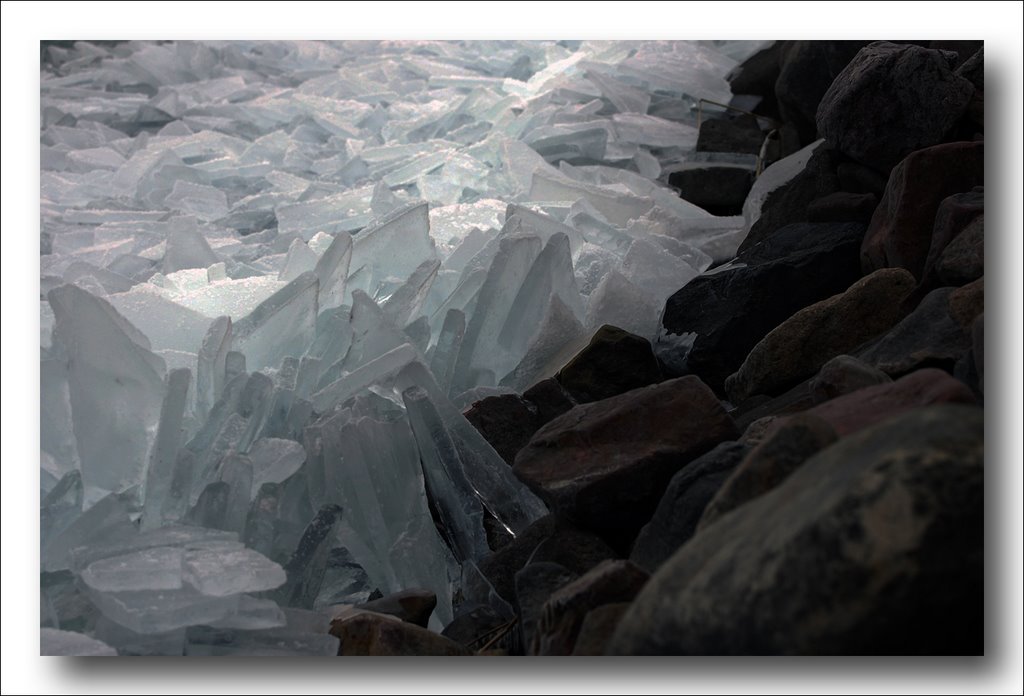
(273, 273)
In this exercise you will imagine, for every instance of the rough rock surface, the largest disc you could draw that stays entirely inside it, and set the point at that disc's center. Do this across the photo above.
(614, 362)
(563, 614)
(874, 546)
(890, 100)
(900, 233)
(414, 606)
(507, 422)
(799, 346)
(680, 509)
(844, 374)
(929, 336)
(871, 405)
(730, 310)
(605, 464)
(789, 443)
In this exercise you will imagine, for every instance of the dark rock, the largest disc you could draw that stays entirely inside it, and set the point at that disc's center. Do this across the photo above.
(874, 546)
(967, 303)
(758, 430)
(577, 550)
(605, 465)
(614, 362)
(598, 627)
(535, 584)
(856, 178)
(963, 260)
(731, 310)
(802, 237)
(562, 615)
(757, 75)
(964, 49)
(844, 374)
(500, 567)
(414, 606)
(954, 215)
(808, 69)
(843, 206)
(741, 134)
(473, 628)
(900, 233)
(507, 422)
(866, 407)
(788, 203)
(798, 347)
(795, 400)
(550, 399)
(719, 189)
(973, 69)
(891, 100)
(679, 510)
(367, 634)
(928, 337)
(788, 444)
(547, 539)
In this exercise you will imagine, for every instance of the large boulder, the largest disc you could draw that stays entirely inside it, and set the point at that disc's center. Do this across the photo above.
(414, 606)
(719, 189)
(935, 334)
(741, 134)
(506, 421)
(680, 508)
(790, 202)
(614, 362)
(563, 614)
(808, 69)
(535, 583)
(719, 317)
(900, 233)
(757, 76)
(865, 407)
(891, 100)
(954, 216)
(798, 347)
(963, 260)
(844, 374)
(605, 465)
(547, 539)
(874, 546)
(787, 445)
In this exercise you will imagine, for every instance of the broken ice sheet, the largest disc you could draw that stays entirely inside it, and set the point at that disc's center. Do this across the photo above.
(220, 572)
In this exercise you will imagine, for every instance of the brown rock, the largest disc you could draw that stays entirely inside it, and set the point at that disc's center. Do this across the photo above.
(367, 634)
(966, 303)
(790, 443)
(606, 464)
(875, 546)
(865, 407)
(614, 362)
(927, 337)
(598, 626)
(798, 347)
(952, 218)
(890, 100)
(900, 231)
(843, 206)
(507, 422)
(964, 259)
(844, 374)
(564, 612)
(414, 606)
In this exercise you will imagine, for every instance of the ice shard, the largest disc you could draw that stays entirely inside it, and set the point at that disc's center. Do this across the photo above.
(331, 271)
(164, 454)
(115, 385)
(283, 324)
(211, 368)
(446, 351)
(445, 477)
(300, 259)
(403, 305)
(480, 356)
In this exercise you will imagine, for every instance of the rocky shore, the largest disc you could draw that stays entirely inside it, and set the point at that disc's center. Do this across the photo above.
(796, 465)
